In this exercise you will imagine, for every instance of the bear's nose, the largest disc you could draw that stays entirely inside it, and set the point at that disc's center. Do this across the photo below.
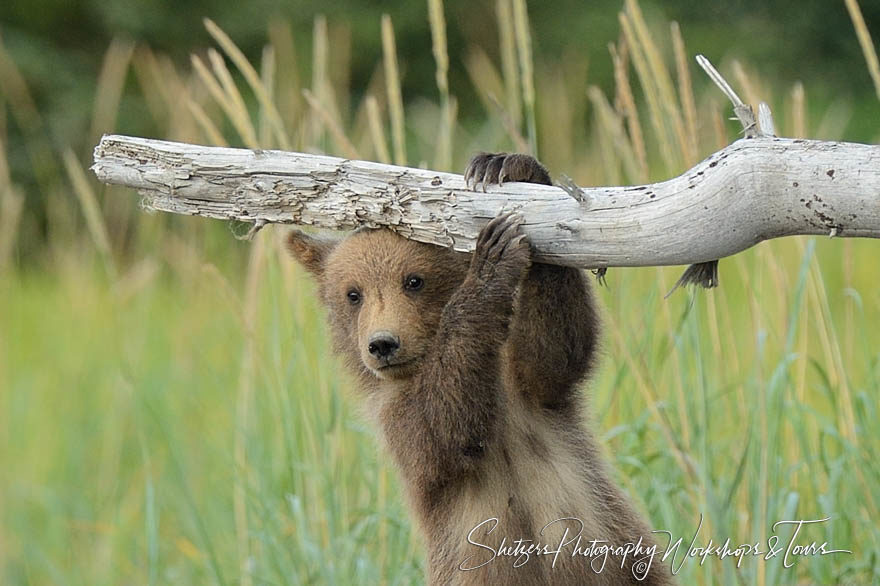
(383, 344)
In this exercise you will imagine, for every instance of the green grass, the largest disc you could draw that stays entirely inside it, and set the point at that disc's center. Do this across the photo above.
(170, 411)
(120, 417)
(121, 410)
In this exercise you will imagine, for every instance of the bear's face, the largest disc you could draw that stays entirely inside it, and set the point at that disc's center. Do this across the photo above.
(385, 295)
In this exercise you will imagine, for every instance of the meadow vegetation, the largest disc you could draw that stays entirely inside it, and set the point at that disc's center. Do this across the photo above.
(170, 411)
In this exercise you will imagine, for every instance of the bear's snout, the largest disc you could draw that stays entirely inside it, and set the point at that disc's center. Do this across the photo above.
(383, 344)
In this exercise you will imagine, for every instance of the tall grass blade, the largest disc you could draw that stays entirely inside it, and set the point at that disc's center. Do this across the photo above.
(652, 95)
(443, 157)
(509, 67)
(262, 93)
(485, 78)
(240, 120)
(523, 39)
(752, 95)
(395, 96)
(288, 87)
(661, 80)
(320, 76)
(238, 110)
(377, 134)
(209, 129)
(613, 126)
(20, 103)
(855, 14)
(628, 105)
(11, 210)
(686, 94)
(267, 80)
(798, 111)
(91, 210)
(342, 141)
(111, 82)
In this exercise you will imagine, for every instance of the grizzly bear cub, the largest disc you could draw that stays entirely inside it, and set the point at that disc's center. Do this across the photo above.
(470, 366)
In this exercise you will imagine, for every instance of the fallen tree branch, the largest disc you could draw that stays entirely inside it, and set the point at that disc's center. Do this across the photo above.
(753, 190)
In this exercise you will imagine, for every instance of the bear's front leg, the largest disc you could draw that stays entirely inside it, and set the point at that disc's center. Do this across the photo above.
(553, 341)
(440, 427)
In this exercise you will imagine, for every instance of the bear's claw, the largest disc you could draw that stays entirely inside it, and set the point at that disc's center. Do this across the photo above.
(488, 168)
(502, 252)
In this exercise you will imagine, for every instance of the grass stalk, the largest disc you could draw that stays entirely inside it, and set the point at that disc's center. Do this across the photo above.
(395, 95)
(377, 134)
(686, 94)
(798, 111)
(20, 103)
(864, 37)
(345, 145)
(11, 210)
(262, 93)
(613, 125)
(651, 93)
(443, 157)
(267, 81)
(628, 106)
(523, 41)
(246, 381)
(88, 201)
(234, 111)
(111, 82)
(661, 81)
(509, 67)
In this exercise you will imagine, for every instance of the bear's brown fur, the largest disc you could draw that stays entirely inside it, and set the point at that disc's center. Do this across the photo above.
(470, 366)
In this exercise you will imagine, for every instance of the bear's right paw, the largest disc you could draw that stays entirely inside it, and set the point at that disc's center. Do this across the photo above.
(503, 255)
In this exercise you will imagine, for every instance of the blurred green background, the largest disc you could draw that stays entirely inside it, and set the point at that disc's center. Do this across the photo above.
(169, 408)
(59, 48)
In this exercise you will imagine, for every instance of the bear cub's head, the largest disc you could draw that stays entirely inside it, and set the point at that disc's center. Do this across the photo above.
(384, 294)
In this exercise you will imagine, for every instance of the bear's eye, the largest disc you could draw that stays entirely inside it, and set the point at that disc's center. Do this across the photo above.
(354, 296)
(413, 283)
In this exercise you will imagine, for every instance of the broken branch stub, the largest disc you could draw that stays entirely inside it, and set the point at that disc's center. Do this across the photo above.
(753, 190)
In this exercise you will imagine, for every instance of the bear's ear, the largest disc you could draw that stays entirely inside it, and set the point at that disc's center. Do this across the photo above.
(310, 251)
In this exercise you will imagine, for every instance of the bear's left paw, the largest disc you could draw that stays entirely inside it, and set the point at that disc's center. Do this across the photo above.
(488, 168)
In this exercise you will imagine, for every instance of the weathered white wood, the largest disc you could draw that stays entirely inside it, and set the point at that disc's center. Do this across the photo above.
(753, 190)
